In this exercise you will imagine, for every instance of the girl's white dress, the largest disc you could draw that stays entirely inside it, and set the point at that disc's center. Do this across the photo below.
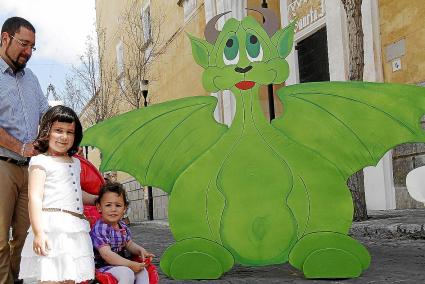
(71, 253)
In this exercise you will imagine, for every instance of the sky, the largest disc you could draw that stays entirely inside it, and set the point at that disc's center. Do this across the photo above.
(62, 27)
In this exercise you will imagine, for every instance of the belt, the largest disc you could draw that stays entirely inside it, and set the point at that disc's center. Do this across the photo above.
(15, 162)
(78, 215)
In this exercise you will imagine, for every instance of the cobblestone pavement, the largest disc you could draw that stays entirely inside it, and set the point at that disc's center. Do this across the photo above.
(393, 261)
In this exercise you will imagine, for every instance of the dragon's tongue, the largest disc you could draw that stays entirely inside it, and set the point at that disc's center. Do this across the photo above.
(245, 85)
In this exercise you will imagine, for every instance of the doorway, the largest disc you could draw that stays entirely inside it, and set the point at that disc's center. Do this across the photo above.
(313, 62)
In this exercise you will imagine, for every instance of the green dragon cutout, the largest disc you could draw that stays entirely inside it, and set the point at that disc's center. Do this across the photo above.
(257, 193)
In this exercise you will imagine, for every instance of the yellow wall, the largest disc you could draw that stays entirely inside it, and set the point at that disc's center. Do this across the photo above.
(175, 73)
(398, 20)
(107, 16)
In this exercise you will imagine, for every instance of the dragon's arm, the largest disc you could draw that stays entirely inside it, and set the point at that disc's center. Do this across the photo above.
(138, 142)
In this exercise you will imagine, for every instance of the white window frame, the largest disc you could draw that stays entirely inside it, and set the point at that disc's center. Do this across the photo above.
(146, 20)
(189, 7)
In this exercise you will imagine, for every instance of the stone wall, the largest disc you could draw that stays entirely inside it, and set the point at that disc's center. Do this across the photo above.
(137, 196)
(406, 158)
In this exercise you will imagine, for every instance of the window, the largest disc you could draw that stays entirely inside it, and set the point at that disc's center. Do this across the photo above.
(120, 58)
(146, 23)
(189, 7)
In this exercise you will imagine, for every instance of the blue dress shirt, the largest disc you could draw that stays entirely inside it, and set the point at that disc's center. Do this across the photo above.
(22, 103)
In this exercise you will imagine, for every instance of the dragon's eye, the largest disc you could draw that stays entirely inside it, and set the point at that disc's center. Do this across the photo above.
(254, 50)
(231, 51)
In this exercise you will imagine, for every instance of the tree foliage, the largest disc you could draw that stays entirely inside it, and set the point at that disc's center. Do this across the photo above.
(89, 89)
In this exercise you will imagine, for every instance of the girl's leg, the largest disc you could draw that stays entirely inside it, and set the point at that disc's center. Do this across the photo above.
(142, 277)
(123, 274)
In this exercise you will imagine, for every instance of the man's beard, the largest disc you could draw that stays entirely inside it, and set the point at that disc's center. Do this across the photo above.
(18, 66)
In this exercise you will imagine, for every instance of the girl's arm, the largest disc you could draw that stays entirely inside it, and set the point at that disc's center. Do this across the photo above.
(89, 199)
(37, 177)
(135, 249)
(113, 258)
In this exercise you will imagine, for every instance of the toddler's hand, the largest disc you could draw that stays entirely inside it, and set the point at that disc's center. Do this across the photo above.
(136, 266)
(149, 255)
(145, 254)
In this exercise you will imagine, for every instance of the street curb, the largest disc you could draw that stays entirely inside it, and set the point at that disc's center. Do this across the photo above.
(411, 231)
(389, 224)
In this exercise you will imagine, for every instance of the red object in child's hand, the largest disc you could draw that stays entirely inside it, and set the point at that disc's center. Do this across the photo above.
(150, 268)
(90, 178)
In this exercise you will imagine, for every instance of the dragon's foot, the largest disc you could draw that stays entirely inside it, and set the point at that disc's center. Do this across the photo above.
(196, 258)
(329, 255)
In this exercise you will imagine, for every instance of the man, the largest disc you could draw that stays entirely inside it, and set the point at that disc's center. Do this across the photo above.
(22, 104)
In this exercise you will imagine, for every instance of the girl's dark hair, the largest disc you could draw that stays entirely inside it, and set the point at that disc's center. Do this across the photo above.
(114, 187)
(61, 114)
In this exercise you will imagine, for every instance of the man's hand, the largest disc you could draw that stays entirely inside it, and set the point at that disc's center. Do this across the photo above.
(29, 150)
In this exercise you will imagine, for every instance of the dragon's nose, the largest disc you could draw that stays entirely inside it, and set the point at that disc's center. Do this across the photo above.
(243, 70)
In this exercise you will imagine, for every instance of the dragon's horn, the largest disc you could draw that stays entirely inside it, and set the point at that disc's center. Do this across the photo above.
(271, 22)
(211, 33)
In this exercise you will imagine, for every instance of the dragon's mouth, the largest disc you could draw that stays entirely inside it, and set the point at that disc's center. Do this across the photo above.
(245, 85)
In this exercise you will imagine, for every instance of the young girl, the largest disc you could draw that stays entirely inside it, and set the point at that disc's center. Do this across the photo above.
(58, 247)
(111, 236)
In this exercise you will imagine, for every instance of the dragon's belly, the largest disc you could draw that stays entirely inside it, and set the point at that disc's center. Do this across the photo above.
(257, 225)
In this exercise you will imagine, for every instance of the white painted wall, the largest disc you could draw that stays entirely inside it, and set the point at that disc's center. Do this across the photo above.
(378, 181)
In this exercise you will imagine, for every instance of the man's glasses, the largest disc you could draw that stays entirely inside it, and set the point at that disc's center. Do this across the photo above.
(23, 44)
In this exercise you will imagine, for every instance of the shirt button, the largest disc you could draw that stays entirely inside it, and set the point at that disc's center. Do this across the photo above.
(73, 182)
(69, 166)
(72, 174)
(78, 208)
(78, 199)
(75, 190)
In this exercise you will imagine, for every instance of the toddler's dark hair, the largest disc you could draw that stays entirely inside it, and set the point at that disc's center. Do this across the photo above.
(114, 187)
(62, 114)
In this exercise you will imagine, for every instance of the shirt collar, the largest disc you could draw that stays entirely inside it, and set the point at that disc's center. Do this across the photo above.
(4, 67)
(120, 223)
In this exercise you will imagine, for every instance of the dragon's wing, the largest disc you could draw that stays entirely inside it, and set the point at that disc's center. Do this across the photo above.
(138, 142)
(352, 124)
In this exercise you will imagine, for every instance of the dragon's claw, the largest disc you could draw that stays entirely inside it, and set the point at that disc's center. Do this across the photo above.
(196, 258)
(329, 255)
